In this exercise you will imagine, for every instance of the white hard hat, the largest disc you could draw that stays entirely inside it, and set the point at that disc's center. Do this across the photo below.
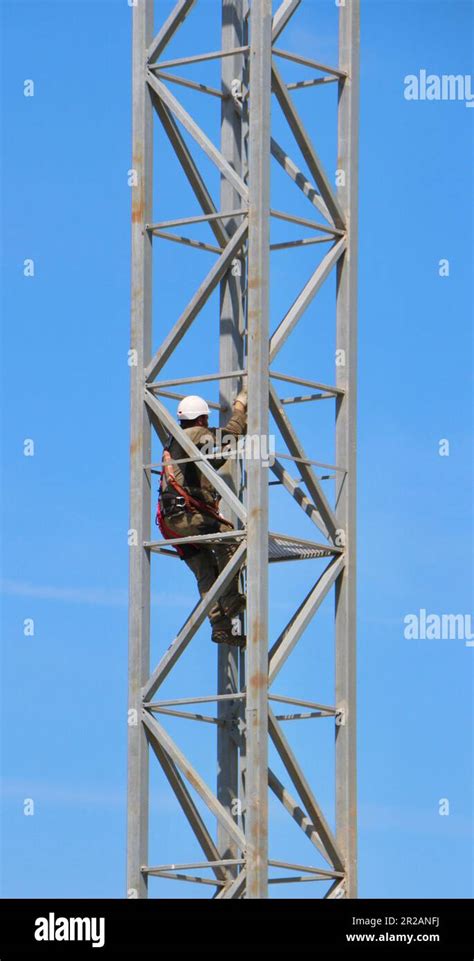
(191, 407)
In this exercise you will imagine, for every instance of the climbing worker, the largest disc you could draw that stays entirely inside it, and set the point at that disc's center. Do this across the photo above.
(188, 504)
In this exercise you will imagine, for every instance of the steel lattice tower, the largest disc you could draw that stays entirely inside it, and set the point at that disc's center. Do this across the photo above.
(236, 860)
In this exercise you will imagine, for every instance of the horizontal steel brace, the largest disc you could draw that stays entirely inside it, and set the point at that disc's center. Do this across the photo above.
(302, 242)
(184, 82)
(292, 717)
(305, 62)
(200, 219)
(304, 867)
(308, 460)
(194, 865)
(308, 383)
(200, 58)
(207, 699)
(199, 539)
(188, 716)
(303, 398)
(304, 222)
(301, 703)
(193, 878)
(200, 379)
(295, 879)
(302, 84)
(187, 242)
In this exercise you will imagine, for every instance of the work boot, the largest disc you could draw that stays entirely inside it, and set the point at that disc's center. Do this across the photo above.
(222, 629)
(220, 636)
(234, 605)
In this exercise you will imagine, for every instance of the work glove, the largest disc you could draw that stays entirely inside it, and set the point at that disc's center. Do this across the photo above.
(241, 399)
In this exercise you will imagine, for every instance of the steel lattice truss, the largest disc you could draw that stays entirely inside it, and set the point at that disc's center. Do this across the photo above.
(236, 862)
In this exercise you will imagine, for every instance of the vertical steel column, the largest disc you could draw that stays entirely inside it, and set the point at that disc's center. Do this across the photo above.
(346, 341)
(140, 454)
(257, 476)
(231, 358)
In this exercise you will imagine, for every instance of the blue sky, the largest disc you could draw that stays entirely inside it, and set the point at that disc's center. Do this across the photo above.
(66, 205)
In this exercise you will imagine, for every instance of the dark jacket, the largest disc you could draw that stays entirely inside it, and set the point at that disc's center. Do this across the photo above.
(188, 475)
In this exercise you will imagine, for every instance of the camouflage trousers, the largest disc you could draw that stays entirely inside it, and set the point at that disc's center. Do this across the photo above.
(208, 560)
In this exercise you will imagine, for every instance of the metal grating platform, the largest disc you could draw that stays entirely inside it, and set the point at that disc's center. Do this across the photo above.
(282, 547)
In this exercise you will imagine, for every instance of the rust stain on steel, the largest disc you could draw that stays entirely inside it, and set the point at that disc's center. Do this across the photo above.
(137, 192)
(258, 680)
(137, 207)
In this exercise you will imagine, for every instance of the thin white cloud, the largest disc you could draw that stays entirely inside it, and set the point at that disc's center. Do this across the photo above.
(46, 792)
(21, 789)
(102, 597)
(110, 598)
(382, 817)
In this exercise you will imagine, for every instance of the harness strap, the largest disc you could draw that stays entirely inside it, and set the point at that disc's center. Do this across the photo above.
(168, 533)
(193, 504)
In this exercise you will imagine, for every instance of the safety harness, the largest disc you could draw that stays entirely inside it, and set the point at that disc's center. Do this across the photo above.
(182, 499)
